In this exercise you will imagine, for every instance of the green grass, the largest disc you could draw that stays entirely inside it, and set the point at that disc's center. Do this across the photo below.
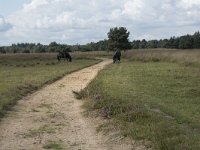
(22, 74)
(53, 145)
(151, 101)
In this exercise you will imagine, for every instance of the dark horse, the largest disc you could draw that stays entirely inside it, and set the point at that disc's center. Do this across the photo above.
(117, 56)
(65, 55)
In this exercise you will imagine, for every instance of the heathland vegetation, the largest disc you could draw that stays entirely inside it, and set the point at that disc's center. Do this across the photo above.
(21, 74)
(152, 96)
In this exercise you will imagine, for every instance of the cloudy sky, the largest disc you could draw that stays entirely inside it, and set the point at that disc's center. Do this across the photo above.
(82, 21)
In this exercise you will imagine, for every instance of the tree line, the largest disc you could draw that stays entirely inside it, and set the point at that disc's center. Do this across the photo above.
(53, 47)
(117, 38)
(182, 42)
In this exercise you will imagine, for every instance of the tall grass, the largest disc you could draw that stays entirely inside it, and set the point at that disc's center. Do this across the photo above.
(75, 55)
(187, 57)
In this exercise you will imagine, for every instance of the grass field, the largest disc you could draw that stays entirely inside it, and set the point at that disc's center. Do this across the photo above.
(153, 95)
(156, 100)
(24, 73)
(186, 57)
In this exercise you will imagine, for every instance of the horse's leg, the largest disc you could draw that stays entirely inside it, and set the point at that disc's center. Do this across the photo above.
(58, 58)
(113, 59)
(69, 59)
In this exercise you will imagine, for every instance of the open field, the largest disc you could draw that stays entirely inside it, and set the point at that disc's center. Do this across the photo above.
(186, 57)
(52, 118)
(24, 73)
(151, 96)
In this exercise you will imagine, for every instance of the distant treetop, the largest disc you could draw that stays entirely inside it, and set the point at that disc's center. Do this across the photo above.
(118, 38)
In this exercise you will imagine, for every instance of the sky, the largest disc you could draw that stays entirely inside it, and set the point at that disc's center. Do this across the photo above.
(84, 21)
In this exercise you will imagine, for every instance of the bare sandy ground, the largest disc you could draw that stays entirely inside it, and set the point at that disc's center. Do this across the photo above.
(54, 114)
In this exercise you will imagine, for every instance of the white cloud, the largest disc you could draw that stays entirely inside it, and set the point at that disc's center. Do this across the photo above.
(134, 8)
(78, 21)
(189, 3)
(148, 37)
(4, 25)
(34, 5)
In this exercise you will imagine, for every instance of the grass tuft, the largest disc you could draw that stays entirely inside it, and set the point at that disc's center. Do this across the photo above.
(41, 130)
(53, 145)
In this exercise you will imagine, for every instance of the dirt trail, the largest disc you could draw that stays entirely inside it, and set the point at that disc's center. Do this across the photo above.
(53, 114)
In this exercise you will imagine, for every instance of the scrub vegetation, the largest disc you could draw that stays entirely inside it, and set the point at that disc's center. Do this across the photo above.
(151, 96)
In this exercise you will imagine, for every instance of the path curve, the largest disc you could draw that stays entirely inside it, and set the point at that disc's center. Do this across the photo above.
(53, 114)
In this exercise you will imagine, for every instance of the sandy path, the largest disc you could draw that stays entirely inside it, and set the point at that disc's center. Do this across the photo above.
(53, 114)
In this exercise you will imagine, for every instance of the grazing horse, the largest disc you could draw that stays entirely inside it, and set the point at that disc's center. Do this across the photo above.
(65, 55)
(116, 57)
